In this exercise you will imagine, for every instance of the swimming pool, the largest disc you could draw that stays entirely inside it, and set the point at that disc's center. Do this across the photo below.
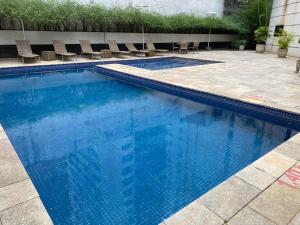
(166, 63)
(100, 151)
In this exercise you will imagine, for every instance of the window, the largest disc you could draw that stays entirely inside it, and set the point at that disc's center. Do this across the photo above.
(277, 29)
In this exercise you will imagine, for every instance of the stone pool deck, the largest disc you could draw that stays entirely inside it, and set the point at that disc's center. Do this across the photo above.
(266, 192)
(20, 203)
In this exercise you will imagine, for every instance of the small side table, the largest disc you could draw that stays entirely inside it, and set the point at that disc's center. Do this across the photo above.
(106, 53)
(150, 53)
(48, 55)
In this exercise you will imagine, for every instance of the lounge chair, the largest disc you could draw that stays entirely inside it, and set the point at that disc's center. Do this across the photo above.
(133, 49)
(183, 47)
(150, 46)
(25, 51)
(86, 49)
(60, 49)
(113, 47)
(175, 47)
(195, 46)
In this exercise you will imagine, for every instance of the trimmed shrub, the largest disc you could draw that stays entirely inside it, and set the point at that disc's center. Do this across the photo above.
(69, 15)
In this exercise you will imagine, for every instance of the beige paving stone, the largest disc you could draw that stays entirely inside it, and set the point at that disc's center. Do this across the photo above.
(274, 164)
(194, 214)
(249, 217)
(289, 149)
(279, 203)
(31, 212)
(295, 220)
(256, 177)
(295, 139)
(229, 197)
(2, 133)
(16, 193)
(11, 170)
(291, 177)
(6, 149)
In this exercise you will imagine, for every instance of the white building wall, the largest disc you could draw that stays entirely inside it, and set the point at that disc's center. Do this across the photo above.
(287, 13)
(169, 7)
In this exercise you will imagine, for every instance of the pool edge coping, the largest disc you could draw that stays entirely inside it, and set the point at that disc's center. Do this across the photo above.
(134, 72)
(21, 200)
(145, 79)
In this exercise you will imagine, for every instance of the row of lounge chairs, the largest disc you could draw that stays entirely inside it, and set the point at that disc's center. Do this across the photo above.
(25, 51)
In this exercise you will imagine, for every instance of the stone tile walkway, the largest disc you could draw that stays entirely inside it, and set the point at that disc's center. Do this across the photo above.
(19, 201)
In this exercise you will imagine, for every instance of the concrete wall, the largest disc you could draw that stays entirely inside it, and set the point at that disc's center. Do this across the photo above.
(287, 13)
(169, 7)
(46, 37)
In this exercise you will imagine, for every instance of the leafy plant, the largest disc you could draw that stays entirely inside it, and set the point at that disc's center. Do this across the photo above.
(236, 44)
(242, 42)
(284, 39)
(261, 34)
(71, 15)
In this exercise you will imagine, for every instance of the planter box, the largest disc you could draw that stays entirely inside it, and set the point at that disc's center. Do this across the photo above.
(282, 53)
(260, 48)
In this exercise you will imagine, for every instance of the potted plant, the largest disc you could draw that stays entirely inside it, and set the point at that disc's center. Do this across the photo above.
(238, 45)
(242, 45)
(261, 36)
(284, 40)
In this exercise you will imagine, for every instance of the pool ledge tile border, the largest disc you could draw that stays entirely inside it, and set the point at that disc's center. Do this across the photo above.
(161, 76)
(265, 192)
(19, 200)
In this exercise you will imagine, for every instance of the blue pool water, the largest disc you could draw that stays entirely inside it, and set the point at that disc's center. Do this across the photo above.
(100, 151)
(166, 63)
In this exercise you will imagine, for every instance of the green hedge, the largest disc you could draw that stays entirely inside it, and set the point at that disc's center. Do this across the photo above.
(69, 15)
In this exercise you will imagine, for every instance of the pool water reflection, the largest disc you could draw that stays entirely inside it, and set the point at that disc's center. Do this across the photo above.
(104, 152)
